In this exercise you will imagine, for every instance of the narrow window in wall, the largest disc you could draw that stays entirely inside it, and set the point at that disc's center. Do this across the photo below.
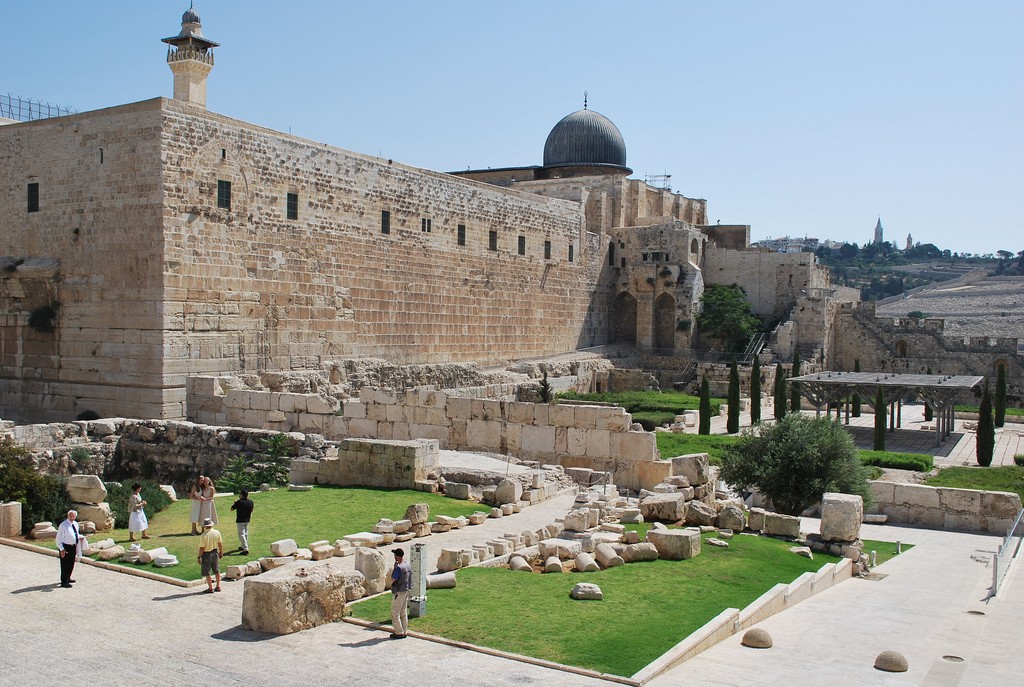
(385, 221)
(547, 250)
(611, 255)
(223, 194)
(522, 245)
(643, 257)
(293, 206)
(33, 197)
(425, 225)
(492, 240)
(101, 156)
(462, 235)
(571, 256)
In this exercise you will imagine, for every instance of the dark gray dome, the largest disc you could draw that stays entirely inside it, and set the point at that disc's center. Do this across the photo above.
(190, 16)
(585, 137)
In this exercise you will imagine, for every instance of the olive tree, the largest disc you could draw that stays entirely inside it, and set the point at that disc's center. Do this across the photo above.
(795, 461)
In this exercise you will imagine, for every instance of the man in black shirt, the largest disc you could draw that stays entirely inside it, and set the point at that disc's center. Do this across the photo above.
(243, 513)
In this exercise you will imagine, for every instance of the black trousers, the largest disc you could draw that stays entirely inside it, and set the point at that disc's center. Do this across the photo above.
(67, 562)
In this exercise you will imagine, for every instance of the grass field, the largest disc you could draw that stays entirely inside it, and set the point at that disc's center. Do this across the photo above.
(671, 444)
(674, 402)
(647, 607)
(323, 513)
(1003, 478)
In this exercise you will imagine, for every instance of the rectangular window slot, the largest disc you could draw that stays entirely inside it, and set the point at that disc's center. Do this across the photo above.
(223, 194)
(547, 250)
(385, 221)
(522, 245)
(644, 257)
(571, 252)
(462, 235)
(425, 225)
(292, 206)
(492, 240)
(33, 197)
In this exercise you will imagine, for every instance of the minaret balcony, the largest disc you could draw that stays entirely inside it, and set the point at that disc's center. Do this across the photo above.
(179, 54)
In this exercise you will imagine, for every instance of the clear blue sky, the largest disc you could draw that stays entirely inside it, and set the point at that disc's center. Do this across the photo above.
(798, 118)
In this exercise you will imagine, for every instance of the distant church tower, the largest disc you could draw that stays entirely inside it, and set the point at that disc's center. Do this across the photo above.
(190, 57)
(910, 241)
(878, 231)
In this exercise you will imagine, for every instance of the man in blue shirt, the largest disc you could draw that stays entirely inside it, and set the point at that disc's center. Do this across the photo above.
(401, 585)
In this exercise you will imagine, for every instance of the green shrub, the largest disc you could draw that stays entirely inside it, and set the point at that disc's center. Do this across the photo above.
(249, 472)
(650, 420)
(920, 462)
(117, 496)
(1018, 459)
(42, 497)
(795, 461)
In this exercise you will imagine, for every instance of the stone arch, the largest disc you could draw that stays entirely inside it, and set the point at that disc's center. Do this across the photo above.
(623, 318)
(901, 349)
(665, 322)
(695, 252)
(1000, 363)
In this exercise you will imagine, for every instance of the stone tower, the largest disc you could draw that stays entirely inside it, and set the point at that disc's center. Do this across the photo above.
(910, 241)
(878, 225)
(190, 57)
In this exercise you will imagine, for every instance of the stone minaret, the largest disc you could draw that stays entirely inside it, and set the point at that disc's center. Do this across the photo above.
(878, 226)
(190, 57)
(910, 241)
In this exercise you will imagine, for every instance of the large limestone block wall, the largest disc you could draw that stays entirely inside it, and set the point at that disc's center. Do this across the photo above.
(370, 463)
(249, 289)
(597, 437)
(98, 230)
(945, 507)
(912, 346)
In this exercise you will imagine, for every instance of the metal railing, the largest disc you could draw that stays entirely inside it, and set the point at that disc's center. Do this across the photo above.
(27, 110)
(1007, 552)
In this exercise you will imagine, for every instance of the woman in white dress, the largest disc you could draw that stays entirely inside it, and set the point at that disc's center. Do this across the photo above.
(137, 521)
(196, 495)
(208, 509)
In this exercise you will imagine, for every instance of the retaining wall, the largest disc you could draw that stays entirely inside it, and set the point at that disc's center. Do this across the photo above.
(946, 508)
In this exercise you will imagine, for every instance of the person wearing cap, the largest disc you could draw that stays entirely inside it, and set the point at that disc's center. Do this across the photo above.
(211, 550)
(401, 585)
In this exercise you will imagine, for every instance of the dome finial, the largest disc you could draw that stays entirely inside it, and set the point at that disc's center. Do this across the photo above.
(585, 100)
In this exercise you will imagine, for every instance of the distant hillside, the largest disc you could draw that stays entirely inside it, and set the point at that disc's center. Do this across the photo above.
(881, 271)
(988, 306)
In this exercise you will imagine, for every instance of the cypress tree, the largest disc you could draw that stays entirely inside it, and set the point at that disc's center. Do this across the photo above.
(755, 392)
(879, 421)
(732, 423)
(704, 426)
(928, 414)
(1000, 403)
(780, 392)
(986, 430)
(856, 397)
(794, 401)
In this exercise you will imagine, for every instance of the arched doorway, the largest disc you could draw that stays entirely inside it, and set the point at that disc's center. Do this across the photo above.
(901, 349)
(665, 323)
(623, 319)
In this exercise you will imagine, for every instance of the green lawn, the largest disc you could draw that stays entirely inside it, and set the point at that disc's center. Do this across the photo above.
(1017, 412)
(674, 402)
(1003, 478)
(671, 444)
(921, 462)
(647, 607)
(323, 513)
(884, 550)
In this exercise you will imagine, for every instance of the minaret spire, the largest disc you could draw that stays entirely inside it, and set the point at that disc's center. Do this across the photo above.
(190, 57)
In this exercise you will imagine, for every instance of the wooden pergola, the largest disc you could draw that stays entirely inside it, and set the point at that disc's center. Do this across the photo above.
(941, 392)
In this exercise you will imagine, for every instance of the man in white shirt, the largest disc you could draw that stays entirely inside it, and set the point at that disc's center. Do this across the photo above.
(67, 548)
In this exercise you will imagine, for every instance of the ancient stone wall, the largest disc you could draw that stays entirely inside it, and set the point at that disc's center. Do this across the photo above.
(912, 346)
(149, 279)
(370, 463)
(945, 507)
(97, 231)
(574, 435)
